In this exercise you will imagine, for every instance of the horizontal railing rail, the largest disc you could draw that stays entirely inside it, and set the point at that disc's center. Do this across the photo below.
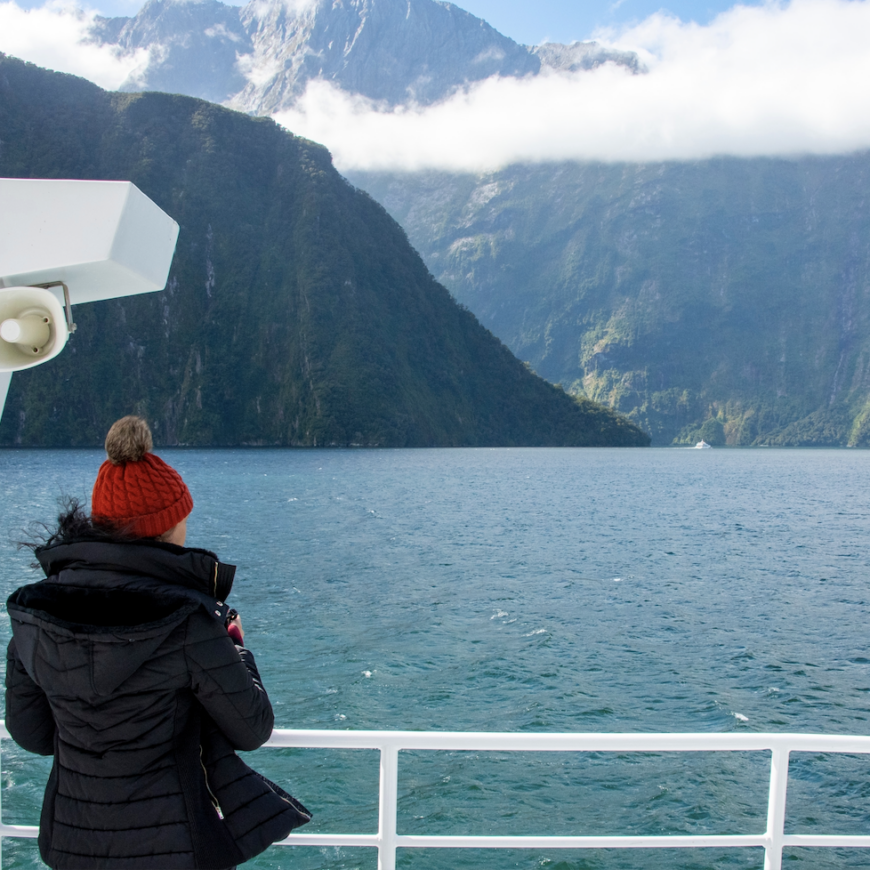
(390, 743)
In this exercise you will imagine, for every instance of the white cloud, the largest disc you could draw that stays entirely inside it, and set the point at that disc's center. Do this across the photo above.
(781, 79)
(54, 36)
(219, 31)
(491, 53)
(259, 71)
(300, 6)
(263, 8)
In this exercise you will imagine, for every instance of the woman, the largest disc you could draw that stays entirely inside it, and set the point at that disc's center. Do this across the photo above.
(127, 667)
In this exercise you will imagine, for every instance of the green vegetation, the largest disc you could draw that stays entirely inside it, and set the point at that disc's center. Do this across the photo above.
(296, 312)
(727, 296)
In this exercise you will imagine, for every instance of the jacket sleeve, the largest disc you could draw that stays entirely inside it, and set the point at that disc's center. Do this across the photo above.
(225, 680)
(28, 714)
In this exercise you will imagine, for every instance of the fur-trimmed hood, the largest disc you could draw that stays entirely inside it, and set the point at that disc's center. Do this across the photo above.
(111, 604)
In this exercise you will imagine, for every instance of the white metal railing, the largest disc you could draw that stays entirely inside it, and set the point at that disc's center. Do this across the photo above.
(390, 743)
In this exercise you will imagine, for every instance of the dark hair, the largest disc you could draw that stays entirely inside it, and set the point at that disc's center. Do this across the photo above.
(73, 524)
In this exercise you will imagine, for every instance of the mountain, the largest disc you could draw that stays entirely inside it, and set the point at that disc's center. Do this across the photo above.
(296, 313)
(726, 299)
(722, 299)
(260, 58)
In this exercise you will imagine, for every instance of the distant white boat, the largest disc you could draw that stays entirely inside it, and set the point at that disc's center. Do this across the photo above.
(702, 445)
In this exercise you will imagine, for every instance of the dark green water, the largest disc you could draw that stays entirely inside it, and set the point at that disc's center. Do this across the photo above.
(531, 590)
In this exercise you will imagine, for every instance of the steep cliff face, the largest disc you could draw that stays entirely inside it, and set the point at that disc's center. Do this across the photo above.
(296, 313)
(728, 299)
(260, 58)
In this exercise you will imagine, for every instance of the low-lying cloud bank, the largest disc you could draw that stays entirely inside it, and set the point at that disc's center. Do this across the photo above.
(782, 79)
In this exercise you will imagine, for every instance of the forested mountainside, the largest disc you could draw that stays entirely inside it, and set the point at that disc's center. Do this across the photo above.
(260, 57)
(296, 312)
(727, 299)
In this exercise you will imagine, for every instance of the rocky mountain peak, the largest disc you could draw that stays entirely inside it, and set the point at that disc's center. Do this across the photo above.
(260, 58)
(393, 51)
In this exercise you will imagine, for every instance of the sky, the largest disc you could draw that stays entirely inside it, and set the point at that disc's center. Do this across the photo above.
(533, 21)
(779, 78)
(526, 21)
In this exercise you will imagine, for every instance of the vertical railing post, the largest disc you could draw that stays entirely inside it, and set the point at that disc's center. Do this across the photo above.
(776, 809)
(389, 801)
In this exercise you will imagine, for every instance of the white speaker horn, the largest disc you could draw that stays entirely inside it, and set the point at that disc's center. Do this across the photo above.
(33, 327)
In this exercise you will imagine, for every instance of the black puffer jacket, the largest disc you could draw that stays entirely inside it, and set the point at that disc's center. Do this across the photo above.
(120, 667)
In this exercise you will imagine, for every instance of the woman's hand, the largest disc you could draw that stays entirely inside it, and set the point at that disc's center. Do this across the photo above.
(235, 630)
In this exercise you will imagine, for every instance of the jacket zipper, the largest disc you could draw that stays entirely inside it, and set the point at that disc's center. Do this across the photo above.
(214, 800)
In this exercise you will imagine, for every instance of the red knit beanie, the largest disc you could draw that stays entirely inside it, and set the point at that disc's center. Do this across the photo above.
(136, 490)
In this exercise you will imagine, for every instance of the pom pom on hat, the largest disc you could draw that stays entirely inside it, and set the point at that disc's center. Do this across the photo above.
(128, 440)
(136, 490)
